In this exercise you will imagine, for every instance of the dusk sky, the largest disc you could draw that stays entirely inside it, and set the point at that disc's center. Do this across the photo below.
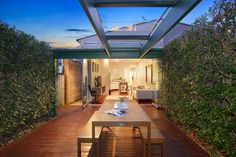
(48, 20)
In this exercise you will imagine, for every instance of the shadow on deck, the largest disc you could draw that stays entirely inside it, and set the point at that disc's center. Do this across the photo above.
(57, 138)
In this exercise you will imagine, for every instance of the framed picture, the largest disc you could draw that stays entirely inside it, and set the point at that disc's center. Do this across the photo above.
(96, 67)
(93, 68)
(149, 74)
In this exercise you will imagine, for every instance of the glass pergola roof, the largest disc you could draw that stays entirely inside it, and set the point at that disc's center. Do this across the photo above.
(126, 37)
(130, 17)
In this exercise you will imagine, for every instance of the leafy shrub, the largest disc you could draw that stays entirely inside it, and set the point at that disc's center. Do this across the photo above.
(199, 86)
(26, 80)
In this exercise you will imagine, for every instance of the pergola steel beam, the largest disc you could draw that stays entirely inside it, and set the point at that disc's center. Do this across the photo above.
(100, 54)
(135, 3)
(79, 53)
(175, 15)
(95, 20)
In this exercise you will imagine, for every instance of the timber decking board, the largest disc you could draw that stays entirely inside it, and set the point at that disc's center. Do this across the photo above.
(58, 138)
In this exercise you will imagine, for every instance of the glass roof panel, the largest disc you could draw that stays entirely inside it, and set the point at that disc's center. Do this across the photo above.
(126, 43)
(90, 45)
(139, 19)
(124, 21)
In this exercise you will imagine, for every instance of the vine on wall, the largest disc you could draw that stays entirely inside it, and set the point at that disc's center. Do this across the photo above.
(199, 86)
(27, 86)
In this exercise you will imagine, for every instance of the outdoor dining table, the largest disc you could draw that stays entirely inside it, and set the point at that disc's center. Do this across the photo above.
(134, 117)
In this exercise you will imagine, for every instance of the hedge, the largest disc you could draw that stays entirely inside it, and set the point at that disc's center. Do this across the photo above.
(27, 86)
(199, 86)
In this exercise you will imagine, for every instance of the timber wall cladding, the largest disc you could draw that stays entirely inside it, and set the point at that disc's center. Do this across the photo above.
(73, 79)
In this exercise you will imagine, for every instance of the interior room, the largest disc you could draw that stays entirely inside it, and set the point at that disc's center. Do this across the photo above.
(112, 79)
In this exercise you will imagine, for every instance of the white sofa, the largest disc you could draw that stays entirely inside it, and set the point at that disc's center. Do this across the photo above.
(147, 94)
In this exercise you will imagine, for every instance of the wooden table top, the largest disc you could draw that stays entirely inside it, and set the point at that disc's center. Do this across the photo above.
(134, 113)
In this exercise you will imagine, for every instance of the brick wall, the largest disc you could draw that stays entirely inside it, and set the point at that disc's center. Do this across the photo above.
(73, 80)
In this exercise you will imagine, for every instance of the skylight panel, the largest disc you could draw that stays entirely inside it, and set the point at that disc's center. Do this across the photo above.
(138, 19)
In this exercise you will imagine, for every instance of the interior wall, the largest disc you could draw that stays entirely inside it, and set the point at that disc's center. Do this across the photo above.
(141, 77)
(125, 70)
(73, 79)
(122, 70)
(103, 71)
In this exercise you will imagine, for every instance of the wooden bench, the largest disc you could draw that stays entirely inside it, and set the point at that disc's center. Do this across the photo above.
(157, 137)
(85, 136)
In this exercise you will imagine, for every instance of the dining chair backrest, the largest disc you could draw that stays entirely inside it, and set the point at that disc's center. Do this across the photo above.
(90, 90)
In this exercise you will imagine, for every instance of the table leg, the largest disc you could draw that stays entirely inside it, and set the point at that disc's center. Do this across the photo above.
(144, 148)
(97, 149)
(93, 139)
(78, 148)
(161, 150)
(149, 140)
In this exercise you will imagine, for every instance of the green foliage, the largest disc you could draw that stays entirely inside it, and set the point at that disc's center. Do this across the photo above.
(199, 86)
(27, 89)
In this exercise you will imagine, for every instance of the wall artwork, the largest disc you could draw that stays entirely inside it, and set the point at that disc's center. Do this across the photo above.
(96, 67)
(149, 73)
(93, 68)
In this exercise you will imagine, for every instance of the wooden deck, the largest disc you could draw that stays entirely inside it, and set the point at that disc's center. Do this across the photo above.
(57, 138)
